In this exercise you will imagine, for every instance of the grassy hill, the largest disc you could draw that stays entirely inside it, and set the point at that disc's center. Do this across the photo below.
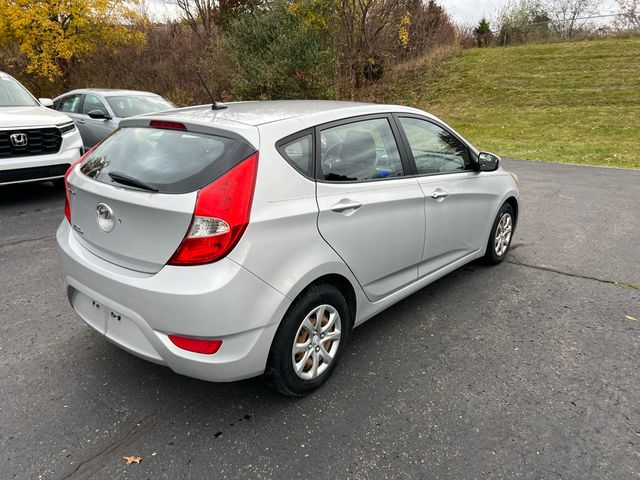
(573, 102)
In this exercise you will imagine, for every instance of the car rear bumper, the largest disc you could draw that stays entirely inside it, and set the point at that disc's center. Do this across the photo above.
(33, 168)
(137, 311)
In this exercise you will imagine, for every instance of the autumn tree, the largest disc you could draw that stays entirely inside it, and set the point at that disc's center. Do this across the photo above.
(569, 16)
(369, 33)
(205, 16)
(630, 13)
(522, 21)
(277, 56)
(52, 34)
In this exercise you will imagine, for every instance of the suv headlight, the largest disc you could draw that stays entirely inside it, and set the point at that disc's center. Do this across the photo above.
(67, 127)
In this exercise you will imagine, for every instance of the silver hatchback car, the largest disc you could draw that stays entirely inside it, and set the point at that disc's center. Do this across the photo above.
(250, 239)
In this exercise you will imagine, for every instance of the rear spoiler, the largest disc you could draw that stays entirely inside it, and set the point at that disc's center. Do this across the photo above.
(236, 130)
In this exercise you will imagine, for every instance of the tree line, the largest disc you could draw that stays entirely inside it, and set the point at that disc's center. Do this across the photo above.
(521, 21)
(245, 49)
(250, 49)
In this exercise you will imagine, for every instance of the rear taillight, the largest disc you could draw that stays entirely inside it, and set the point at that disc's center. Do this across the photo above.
(67, 205)
(221, 216)
(197, 345)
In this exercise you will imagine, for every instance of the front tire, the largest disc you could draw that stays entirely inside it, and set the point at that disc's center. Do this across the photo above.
(309, 342)
(500, 236)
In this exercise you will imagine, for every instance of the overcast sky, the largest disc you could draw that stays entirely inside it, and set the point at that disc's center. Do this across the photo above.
(471, 11)
(462, 11)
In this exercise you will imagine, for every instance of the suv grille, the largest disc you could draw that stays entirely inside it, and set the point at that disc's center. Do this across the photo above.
(40, 141)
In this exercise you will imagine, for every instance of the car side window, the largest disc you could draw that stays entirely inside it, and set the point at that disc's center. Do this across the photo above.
(434, 149)
(91, 103)
(298, 153)
(70, 104)
(357, 151)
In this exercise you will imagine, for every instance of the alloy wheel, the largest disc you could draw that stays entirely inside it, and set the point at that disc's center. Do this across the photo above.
(503, 234)
(316, 342)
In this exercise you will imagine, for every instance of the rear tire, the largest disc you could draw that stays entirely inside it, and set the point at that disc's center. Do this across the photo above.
(500, 236)
(309, 342)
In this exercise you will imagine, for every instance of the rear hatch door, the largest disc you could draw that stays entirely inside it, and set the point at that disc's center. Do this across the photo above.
(132, 198)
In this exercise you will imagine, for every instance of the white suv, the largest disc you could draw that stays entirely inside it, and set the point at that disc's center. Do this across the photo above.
(36, 143)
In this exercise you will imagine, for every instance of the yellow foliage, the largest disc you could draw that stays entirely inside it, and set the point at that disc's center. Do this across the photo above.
(314, 13)
(403, 31)
(51, 32)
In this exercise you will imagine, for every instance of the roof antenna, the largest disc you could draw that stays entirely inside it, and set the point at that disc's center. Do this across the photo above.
(214, 105)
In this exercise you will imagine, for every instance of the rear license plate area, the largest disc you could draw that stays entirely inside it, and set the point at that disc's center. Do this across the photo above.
(89, 310)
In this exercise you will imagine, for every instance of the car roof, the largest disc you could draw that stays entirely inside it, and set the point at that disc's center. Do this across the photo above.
(258, 113)
(280, 117)
(111, 92)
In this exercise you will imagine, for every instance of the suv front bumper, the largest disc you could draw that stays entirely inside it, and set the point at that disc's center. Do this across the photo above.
(34, 168)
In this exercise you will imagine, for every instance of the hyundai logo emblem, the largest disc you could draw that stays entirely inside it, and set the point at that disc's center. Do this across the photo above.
(19, 139)
(104, 215)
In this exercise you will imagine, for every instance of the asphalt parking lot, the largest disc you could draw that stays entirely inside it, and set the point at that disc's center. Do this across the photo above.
(524, 370)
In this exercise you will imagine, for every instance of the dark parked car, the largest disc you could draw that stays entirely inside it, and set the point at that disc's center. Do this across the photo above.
(97, 112)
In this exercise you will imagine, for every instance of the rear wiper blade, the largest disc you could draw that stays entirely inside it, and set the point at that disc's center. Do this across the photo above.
(133, 182)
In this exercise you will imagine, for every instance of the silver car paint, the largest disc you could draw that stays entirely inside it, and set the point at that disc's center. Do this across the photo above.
(221, 299)
(453, 222)
(381, 241)
(243, 297)
(148, 227)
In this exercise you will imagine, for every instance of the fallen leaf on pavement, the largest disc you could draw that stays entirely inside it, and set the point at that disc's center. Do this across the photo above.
(131, 460)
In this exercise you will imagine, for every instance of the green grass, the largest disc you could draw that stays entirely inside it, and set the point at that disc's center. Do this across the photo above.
(573, 102)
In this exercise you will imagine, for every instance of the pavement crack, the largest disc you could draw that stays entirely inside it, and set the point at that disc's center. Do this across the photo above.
(86, 466)
(109, 449)
(515, 261)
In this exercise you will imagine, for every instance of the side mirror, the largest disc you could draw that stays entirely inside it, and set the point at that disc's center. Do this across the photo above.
(98, 115)
(488, 162)
(46, 102)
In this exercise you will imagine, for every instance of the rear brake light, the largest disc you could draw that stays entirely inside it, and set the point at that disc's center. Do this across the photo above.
(168, 125)
(67, 205)
(197, 345)
(221, 216)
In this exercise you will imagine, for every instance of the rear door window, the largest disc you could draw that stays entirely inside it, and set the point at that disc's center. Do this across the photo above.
(169, 161)
(69, 104)
(358, 151)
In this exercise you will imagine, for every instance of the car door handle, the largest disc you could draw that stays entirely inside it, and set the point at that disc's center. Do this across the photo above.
(439, 194)
(343, 206)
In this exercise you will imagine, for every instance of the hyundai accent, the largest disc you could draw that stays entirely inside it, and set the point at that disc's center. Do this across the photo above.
(251, 238)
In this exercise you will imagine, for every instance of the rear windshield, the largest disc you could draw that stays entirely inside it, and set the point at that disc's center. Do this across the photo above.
(168, 161)
(128, 106)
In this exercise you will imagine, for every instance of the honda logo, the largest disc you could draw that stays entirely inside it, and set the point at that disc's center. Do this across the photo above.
(19, 139)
